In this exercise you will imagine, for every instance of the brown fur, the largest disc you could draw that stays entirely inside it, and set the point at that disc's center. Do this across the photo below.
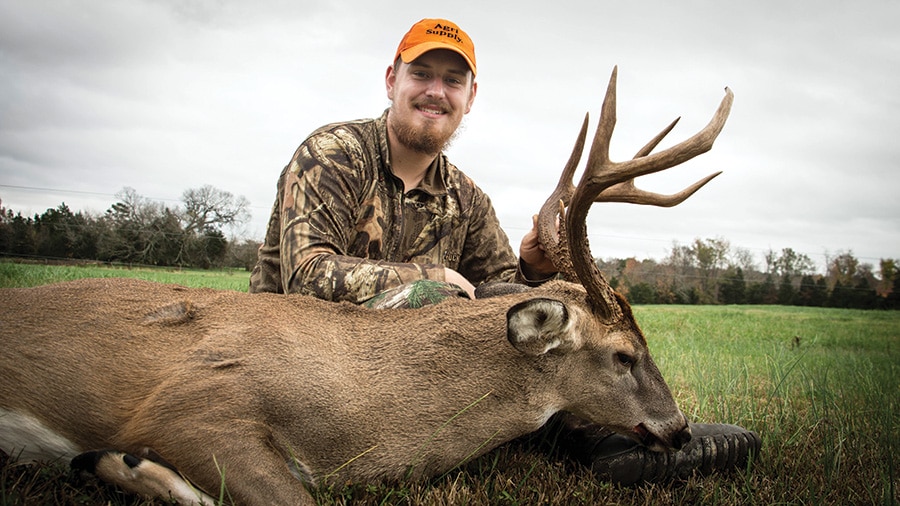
(268, 388)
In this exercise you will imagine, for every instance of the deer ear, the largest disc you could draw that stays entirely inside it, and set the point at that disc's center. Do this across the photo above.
(537, 326)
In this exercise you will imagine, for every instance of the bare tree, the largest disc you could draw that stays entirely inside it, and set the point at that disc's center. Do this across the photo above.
(208, 207)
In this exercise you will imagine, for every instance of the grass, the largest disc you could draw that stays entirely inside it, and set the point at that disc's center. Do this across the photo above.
(820, 385)
(14, 274)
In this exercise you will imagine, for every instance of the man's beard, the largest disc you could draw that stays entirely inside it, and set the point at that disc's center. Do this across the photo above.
(426, 141)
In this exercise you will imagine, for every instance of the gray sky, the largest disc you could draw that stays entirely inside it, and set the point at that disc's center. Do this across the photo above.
(163, 96)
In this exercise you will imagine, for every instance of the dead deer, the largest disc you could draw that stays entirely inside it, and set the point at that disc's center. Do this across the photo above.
(271, 393)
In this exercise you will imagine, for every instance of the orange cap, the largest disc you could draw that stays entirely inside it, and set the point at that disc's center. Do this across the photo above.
(431, 34)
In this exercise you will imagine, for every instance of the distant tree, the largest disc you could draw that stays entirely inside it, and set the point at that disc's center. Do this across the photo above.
(742, 258)
(139, 230)
(763, 293)
(712, 256)
(61, 234)
(208, 208)
(242, 254)
(791, 263)
(813, 292)
(733, 288)
(842, 268)
(864, 295)
(888, 270)
(206, 250)
(642, 293)
(786, 293)
(841, 296)
(22, 236)
(892, 301)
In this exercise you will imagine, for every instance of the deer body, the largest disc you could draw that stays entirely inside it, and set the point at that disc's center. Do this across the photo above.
(289, 387)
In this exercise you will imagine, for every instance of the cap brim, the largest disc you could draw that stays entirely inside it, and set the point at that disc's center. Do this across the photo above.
(412, 53)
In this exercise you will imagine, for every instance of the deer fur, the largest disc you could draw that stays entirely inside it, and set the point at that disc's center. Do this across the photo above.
(276, 392)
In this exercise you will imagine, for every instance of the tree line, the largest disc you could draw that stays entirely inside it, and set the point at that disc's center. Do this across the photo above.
(711, 271)
(136, 231)
(139, 231)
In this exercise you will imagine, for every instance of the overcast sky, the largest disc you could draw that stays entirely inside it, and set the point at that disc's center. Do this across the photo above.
(163, 96)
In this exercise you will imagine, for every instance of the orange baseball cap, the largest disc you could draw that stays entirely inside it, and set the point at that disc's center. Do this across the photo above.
(431, 34)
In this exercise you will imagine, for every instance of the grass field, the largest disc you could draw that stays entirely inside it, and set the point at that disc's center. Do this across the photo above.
(821, 386)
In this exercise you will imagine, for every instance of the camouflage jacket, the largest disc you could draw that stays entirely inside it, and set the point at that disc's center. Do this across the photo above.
(342, 227)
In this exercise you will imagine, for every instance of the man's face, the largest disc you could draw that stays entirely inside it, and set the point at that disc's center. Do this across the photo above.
(429, 98)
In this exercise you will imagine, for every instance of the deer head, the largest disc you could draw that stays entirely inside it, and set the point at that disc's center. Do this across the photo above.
(606, 181)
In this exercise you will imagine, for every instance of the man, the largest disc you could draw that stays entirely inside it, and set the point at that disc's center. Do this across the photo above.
(374, 205)
(372, 212)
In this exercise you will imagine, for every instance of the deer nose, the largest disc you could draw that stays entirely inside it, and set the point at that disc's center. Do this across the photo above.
(682, 437)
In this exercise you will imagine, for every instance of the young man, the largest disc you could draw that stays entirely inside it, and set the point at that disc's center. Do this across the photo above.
(369, 206)
(372, 212)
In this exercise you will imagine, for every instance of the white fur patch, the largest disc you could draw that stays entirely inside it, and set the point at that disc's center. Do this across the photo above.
(27, 439)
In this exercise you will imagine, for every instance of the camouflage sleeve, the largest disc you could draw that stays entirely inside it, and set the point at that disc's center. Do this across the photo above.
(320, 196)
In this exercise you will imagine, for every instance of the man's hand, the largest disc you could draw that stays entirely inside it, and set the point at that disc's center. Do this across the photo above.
(532, 253)
(451, 276)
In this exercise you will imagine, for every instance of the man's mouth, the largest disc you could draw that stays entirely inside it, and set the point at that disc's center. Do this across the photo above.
(431, 109)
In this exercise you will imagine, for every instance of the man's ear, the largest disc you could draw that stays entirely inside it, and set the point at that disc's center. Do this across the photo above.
(472, 96)
(390, 77)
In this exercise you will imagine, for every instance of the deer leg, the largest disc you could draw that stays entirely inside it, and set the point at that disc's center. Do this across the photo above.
(145, 477)
(254, 471)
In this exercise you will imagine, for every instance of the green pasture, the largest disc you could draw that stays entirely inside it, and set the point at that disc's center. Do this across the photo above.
(821, 386)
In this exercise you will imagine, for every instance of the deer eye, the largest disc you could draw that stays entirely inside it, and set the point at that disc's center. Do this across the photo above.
(625, 359)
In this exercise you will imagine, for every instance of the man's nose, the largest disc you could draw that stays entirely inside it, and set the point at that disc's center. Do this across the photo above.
(436, 88)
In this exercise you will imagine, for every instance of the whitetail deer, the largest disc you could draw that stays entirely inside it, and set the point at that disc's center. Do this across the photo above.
(271, 393)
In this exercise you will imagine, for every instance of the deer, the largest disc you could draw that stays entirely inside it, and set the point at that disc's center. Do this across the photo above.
(176, 392)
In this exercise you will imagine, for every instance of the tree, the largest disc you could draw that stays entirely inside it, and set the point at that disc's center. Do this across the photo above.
(242, 253)
(733, 289)
(893, 299)
(711, 255)
(813, 292)
(841, 296)
(208, 208)
(791, 263)
(786, 292)
(641, 293)
(139, 230)
(57, 232)
(888, 274)
(842, 268)
(763, 293)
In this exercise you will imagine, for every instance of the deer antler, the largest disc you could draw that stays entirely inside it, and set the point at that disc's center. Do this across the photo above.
(606, 181)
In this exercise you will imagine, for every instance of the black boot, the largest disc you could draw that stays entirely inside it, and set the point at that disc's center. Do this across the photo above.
(713, 448)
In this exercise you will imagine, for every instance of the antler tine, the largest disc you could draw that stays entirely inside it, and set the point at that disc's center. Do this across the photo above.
(628, 193)
(601, 175)
(553, 237)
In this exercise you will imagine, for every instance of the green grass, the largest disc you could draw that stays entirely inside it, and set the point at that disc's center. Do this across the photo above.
(821, 386)
(13, 274)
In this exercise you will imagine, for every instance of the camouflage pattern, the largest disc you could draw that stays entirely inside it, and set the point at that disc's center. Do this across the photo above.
(343, 229)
